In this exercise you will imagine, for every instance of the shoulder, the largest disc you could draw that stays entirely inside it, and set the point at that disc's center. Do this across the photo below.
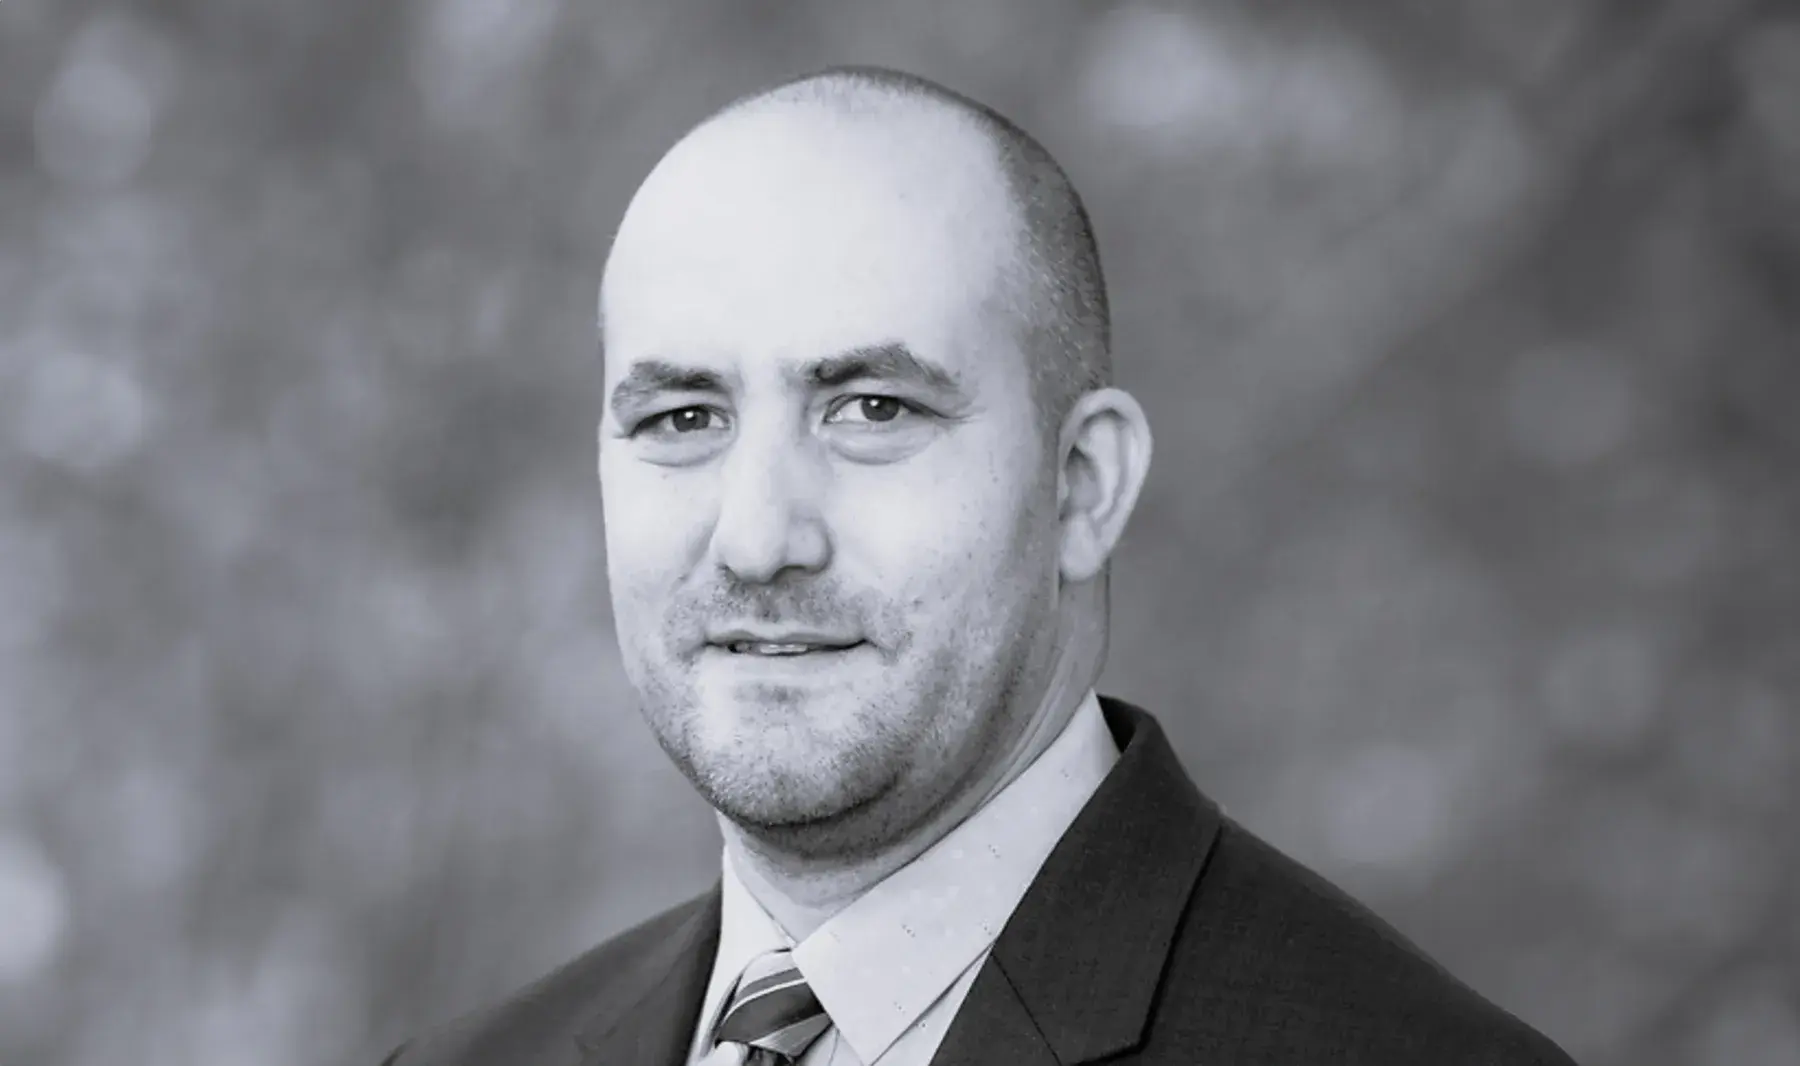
(551, 1009)
(1273, 954)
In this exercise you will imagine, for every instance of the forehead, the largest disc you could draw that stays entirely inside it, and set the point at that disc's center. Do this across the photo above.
(799, 232)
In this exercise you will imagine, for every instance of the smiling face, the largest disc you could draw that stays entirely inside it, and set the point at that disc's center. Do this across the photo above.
(830, 512)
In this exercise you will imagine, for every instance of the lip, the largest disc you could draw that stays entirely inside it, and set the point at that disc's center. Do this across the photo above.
(815, 638)
(720, 656)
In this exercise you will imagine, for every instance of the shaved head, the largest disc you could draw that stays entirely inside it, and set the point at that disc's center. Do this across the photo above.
(1051, 284)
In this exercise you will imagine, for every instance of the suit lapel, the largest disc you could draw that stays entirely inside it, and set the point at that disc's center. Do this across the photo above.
(1073, 974)
(993, 1026)
(651, 1022)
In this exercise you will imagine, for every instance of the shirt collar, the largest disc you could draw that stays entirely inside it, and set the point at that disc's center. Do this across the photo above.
(879, 964)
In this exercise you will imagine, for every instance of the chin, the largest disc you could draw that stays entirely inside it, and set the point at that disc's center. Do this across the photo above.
(772, 797)
(777, 764)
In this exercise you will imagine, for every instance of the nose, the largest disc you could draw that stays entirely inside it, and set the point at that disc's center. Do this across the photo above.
(769, 520)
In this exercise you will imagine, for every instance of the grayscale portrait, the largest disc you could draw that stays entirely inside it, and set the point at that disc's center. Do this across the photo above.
(864, 468)
(668, 533)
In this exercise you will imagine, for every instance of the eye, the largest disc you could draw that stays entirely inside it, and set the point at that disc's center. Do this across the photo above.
(690, 420)
(682, 436)
(681, 420)
(870, 410)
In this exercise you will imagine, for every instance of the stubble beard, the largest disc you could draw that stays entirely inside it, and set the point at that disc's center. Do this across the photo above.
(785, 787)
(861, 795)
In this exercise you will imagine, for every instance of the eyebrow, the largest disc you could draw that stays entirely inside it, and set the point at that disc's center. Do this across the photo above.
(881, 362)
(649, 377)
(892, 361)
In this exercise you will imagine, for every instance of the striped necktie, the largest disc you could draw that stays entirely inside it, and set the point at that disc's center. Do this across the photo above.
(772, 1012)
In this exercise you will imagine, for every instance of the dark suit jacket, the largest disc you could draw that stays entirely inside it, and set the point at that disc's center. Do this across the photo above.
(1158, 931)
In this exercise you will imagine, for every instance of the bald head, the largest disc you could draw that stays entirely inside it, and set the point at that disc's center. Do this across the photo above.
(1047, 281)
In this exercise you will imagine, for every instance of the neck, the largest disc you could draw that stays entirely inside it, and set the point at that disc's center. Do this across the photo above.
(802, 894)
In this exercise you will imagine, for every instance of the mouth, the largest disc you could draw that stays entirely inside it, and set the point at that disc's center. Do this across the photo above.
(781, 649)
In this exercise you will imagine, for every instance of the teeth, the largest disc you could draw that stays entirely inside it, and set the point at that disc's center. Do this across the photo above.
(746, 647)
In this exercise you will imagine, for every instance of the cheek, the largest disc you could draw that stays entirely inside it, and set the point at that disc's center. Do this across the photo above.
(948, 535)
(651, 525)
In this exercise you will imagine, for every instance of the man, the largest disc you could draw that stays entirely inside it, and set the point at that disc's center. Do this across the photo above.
(862, 470)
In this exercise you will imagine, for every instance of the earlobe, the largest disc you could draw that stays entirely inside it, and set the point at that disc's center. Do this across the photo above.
(1105, 448)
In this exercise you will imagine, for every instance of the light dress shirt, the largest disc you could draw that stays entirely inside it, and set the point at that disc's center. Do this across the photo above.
(893, 967)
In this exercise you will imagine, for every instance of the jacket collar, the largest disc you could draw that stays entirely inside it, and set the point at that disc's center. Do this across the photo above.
(648, 1014)
(1075, 970)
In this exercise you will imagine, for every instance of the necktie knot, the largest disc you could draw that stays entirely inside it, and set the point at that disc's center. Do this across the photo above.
(772, 1011)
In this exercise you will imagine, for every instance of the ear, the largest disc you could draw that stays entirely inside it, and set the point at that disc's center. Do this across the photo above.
(1105, 450)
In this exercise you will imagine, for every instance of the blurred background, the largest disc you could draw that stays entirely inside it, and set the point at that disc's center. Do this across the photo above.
(1467, 572)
